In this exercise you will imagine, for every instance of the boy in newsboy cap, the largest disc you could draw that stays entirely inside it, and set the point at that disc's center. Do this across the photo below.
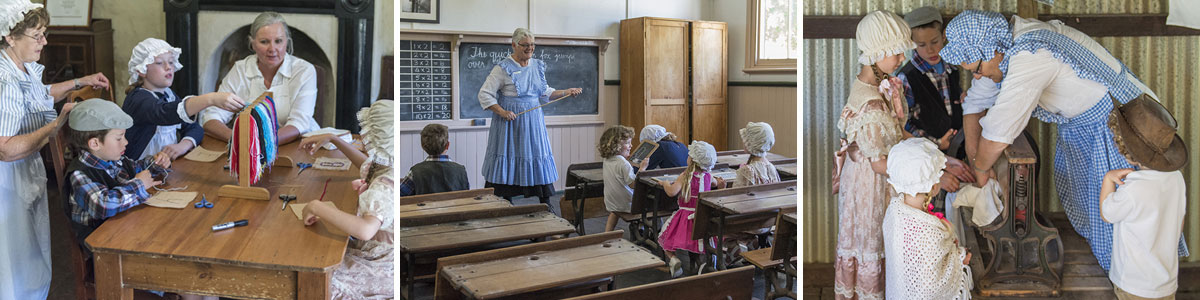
(1147, 210)
(103, 182)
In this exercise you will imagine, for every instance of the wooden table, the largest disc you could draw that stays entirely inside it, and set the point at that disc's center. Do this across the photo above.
(457, 201)
(739, 209)
(275, 256)
(431, 234)
(650, 202)
(536, 267)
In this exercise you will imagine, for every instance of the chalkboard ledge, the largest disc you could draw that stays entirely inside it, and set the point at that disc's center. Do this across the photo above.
(416, 126)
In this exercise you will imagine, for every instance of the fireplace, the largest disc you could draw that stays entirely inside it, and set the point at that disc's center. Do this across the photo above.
(333, 35)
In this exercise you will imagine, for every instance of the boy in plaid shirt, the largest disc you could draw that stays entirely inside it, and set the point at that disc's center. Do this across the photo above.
(103, 182)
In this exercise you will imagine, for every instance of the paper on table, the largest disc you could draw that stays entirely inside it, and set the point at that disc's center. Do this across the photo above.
(340, 133)
(334, 164)
(204, 155)
(298, 208)
(171, 199)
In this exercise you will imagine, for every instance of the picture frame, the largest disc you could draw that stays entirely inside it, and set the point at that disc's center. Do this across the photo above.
(642, 152)
(69, 13)
(421, 11)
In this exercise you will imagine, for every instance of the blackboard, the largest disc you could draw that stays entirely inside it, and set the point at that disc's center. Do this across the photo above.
(424, 79)
(566, 67)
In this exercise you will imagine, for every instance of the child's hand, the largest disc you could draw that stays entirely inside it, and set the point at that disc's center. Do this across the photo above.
(223, 100)
(95, 80)
(944, 142)
(163, 159)
(1117, 176)
(720, 183)
(315, 142)
(310, 216)
(645, 163)
(967, 260)
(148, 180)
(663, 182)
(175, 150)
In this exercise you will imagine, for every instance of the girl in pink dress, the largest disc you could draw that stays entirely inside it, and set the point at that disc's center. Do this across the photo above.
(677, 232)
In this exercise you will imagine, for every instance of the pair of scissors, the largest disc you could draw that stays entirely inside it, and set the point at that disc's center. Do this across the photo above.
(204, 202)
(303, 166)
(286, 198)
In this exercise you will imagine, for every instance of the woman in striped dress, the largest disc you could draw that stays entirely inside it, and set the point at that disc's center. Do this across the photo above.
(27, 120)
(1059, 75)
(519, 161)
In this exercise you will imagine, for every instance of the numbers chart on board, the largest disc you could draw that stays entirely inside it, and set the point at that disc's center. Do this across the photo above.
(424, 78)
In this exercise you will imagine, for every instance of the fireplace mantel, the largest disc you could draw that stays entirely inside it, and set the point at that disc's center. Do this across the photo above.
(355, 31)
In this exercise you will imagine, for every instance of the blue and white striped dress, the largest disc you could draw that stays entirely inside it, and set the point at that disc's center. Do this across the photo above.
(518, 151)
(25, 106)
(1085, 149)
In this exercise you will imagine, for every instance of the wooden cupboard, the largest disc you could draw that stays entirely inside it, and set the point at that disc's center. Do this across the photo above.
(674, 73)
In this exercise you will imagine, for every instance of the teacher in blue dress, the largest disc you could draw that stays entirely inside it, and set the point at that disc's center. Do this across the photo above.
(519, 160)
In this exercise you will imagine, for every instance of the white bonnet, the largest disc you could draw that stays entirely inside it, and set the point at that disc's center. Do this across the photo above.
(881, 34)
(375, 124)
(703, 154)
(758, 137)
(653, 133)
(144, 54)
(13, 12)
(914, 166)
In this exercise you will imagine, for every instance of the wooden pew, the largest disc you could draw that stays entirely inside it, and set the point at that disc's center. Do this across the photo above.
(780, 257)
(740, 209)
(457, 201)
(735, 284)
(518, 272)
(438, 234)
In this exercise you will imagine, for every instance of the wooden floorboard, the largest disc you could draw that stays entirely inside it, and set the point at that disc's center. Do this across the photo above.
(1082, 276)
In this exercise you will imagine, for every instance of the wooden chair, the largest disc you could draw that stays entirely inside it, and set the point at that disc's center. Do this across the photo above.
(736, 284)
(83, 277)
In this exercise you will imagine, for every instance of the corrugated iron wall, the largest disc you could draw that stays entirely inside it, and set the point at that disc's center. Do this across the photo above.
(1168, 65)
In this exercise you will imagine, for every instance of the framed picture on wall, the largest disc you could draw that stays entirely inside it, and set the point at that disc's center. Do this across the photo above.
(419, 11)
(69, 13)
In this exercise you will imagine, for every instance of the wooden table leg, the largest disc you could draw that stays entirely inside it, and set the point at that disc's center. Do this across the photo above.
(310, 285)
(108, 277)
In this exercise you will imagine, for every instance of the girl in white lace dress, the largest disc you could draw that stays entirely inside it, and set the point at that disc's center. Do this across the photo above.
(924, 258)
(366, 270)
(872, 125)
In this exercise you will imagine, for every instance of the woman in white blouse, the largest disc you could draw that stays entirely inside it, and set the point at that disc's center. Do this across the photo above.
(272, 68)
(1060, 75)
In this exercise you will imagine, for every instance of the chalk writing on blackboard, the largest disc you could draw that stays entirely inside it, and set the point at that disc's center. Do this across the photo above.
(566, 67)
(424, 79)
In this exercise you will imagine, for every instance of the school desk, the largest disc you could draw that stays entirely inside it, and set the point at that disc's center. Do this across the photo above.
(732, 284)
(275, 256)
(454, 231)
(740, 209)
(735, 158)
(586, 181)
(456, 201)
(787, 171)
(650, 202)
(520, 270)
(780, 257)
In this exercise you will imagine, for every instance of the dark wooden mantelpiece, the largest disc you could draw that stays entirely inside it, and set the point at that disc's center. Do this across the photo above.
(355, 33)
(842, 27)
